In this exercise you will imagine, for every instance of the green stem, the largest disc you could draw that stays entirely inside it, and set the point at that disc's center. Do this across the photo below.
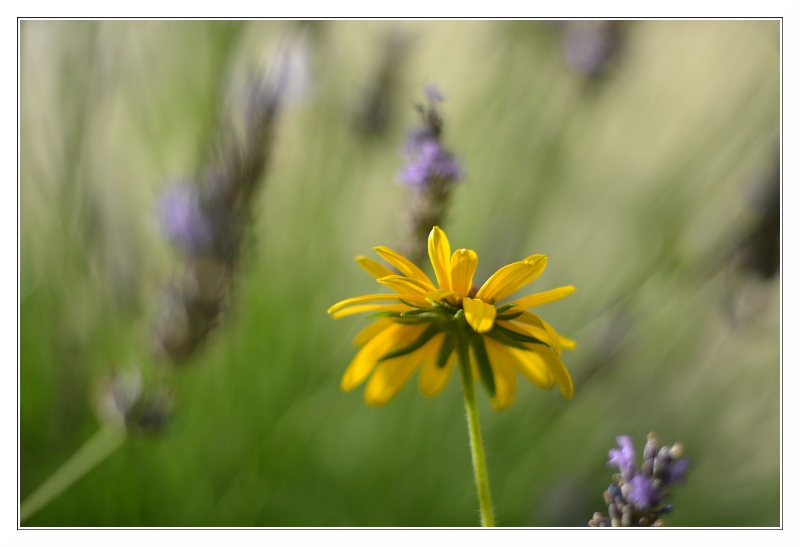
(475, 436)
(93, 452)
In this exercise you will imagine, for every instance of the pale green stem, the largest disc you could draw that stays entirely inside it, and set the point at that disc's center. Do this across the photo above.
(475, 436)
(93, 452)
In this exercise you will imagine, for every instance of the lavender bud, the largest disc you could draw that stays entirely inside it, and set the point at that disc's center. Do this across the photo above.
(647, 467)
(627, 516)
(662, 462)
(651, 446)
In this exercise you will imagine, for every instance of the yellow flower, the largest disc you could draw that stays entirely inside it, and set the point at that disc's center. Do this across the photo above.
(424, 326)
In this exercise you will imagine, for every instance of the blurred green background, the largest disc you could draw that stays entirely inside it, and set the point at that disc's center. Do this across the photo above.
(641, 184)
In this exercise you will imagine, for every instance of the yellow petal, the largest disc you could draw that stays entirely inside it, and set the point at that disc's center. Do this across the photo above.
(404, 265)
(392, 375)
(372, 330)
(540, 325)
(375, 269)
(366, 359)
(439, 253)
(462, 269)
(405, 285)
(359, 299)
(528, 363)
(480, 315)
(369, 307)
(533, 367)
(511, 278)
(566, 343)
(505, 383)
(537, 331)
(554, 337)
(557, 369)
(436, 297)
(543, 297)
(433, 378)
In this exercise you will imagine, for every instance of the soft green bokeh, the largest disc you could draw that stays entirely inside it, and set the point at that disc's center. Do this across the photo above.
(636, 186)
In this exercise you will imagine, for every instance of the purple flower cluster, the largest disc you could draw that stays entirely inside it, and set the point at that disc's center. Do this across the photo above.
(638, 496)
(427, 161)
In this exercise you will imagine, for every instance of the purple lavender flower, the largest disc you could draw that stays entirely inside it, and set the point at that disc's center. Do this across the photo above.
(638, 496)
(182, 220)
(642, 494)
(428, 162)
(677, 472)
(624, 456)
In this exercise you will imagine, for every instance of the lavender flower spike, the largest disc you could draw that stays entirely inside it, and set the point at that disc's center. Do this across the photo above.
(638, 497)
(427, 161)
(430, 172)
(208, 219)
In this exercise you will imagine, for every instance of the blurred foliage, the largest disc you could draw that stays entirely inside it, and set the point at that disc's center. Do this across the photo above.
(637, 182)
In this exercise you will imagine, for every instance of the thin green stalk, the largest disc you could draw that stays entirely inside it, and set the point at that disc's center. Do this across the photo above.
(475, 436)
(90, 455)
